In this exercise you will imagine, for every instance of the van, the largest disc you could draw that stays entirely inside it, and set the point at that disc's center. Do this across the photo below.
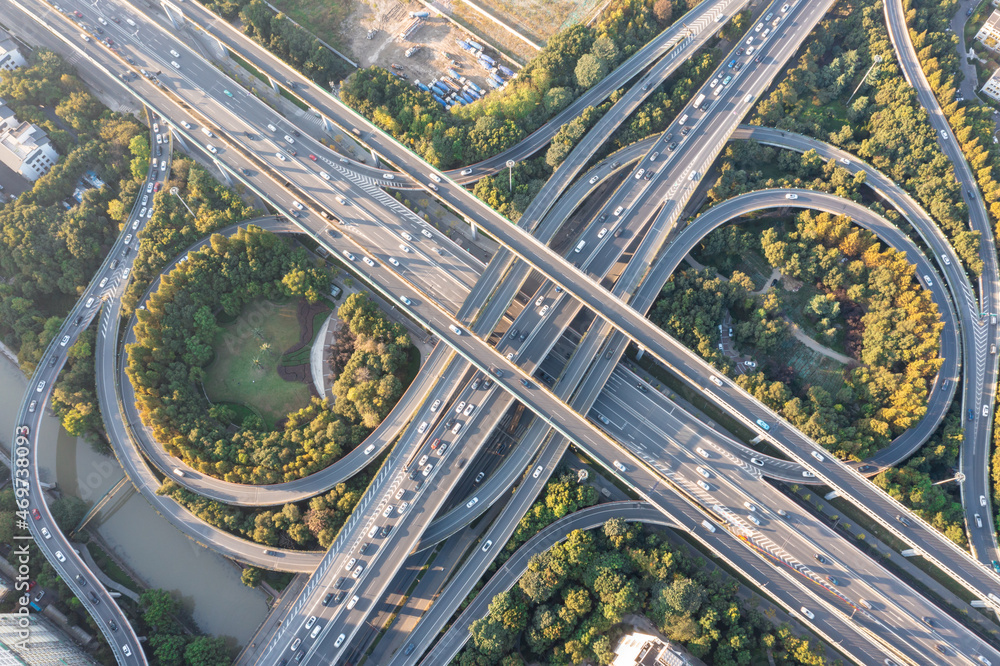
(130, 22)
(708, 526)
(315, 631)
(353, 602)
(456, 428)
(373, 531)
(179, 472)
(580, 246)
(683, 119)
(207, 132)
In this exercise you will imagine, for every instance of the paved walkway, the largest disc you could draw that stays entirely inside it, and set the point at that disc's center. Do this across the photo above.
(101, 576)
(775, 276)
(817, 347)
(969, 88)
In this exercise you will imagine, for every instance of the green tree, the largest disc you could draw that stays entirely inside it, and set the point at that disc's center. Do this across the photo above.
(208, 651)
(589, 70)
(68, 511)
(251, 576)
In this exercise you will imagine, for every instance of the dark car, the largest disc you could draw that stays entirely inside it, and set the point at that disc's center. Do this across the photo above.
(328, 598)
(833, 580)
(685, 131)
(972, 415)
(930, 622)
(94, 597)
(758, 58)
(249, 135)
(864, 469)
(603, 217)
(384, 532)
(903, 520)
(113, 625)
(53, 360)
(996, 566)
(672, 146)
(79, 319)
(821, 559)
(340, 597)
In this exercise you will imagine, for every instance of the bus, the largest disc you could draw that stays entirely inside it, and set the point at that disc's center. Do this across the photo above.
(698, 101)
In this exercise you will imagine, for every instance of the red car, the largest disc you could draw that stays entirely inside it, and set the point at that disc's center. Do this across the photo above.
(110, 41)
(35, 514)
(78, 14)
(312, 157)
(32, 584)
(156, 188)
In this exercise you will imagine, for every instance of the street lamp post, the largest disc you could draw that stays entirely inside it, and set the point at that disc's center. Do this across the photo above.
(960, 477)
(864, 78)
(510, 175)
(174, 191)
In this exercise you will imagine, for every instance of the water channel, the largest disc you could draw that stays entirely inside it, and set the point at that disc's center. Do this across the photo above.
(161, 556)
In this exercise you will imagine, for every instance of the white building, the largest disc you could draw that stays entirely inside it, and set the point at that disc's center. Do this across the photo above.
(45, 645)
(10, 53)
(992, 86)
(639, 649)
(989, 34)
(27, 150)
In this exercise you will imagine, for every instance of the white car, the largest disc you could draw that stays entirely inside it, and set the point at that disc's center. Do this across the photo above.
(753, 519)
(604, 230)
(126, 650)
(809, 475)
(791, 195)
(351, 562)
(350, 257)
(594, 179)
(386, 513)
(368, 261)
(472, 502)
(486, 546)
(394, 262)
(758, 27)
(537, 472)
(544, 311)
(468, 410)
(310, 622)
(402, 507)
(324, 175)
(406, 236)
(427, 233)
(749, 506)
(340, 640)
(947, 261)
(298, 205)
(400, 493)
(405, 248)
(714, 82)
(621, 467)
(427, 469)
(460, 407)
(704, 472)
(423, 461)
(369, 449)
(715, 380)
(817, 455)
(435, 405)
(757, 461)
(45, 533)
(422, 428)
(704, 486)
(982, 500)
(174, 64)
(212, 149)
(289, 139)
(186, 124)
(702, 452)
(805, 611)
(357, 571)
(281, 157)
(435, 177)
(60, 556)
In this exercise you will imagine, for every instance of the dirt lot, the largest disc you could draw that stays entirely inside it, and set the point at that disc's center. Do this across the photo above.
(435, 39)
(539, 19)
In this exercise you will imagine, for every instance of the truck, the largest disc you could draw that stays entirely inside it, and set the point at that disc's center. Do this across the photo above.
(476, 88)
(463, 44)
(422, 86)
(419, 14)
(485, 58)
(410, 51)
(699, 100)
(492, 83)
(475, 45)
(438, 99)
(505, 71)
(452, 73)
(468, 98)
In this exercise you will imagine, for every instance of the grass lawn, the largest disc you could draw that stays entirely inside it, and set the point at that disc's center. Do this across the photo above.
(812, 368)
(322, 18)
(302, 355)
(234, 377)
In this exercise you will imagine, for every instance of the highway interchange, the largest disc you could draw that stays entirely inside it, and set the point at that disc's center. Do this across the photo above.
(448, 282)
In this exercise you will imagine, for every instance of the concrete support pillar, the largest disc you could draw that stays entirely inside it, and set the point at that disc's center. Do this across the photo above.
(180, 140)
(175, 15)
(976, 603)
(274, 85)
(830, 495)
(225, 174)
(475, 232)
(327, 125)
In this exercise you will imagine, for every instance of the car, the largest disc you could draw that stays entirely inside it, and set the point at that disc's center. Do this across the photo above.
(77, 14)
(537, 472)
(757, 461)
(156, 188)
(791, 195)
(714, 82)
(604, 230)
(544, 311)
(750, 506)
(45, 533)
(986, 410)
(126, 650)
(394, 262)
(176, 65)
(763, 424)
(715, 380)
(402, 507)
(426, 233)
(468, 410)
(357, 571)
(704, 485)
(753, 519)
(782, 513)
(487, 545)
(704, 472)
(702, 452)
(348, 255)
(460, 407)
(41, 385)
(808, 613)
(60, 556)
(979, 521)
(324, 175)
(311, 621)
(930, 622)
(427, 469)
(388, 176)
(594, 179)
(32, 405)
(972, 415)
(212, 149)
(927, 279)
(472, 502)
(351, 562)
(368, 261)
(821, 559)
(817, 455)
(410, 648)
(455, 428)
(807, 474)
(422, 427)
(405, 248)
(281, 157)
(902, 520)
(340, 640)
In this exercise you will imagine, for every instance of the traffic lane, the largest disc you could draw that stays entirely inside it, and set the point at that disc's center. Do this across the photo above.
(380, 569)
(796, 549)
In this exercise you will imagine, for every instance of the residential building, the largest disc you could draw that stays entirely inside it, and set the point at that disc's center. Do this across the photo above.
(639, 649)
(45, 645)
(992, 86)
(24, 147)
(989, 34)
(10, 53)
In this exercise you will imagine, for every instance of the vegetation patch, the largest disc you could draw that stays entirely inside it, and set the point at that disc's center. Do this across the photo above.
(173, 347)
(868, 295)
(570, 606)
(248, 357)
